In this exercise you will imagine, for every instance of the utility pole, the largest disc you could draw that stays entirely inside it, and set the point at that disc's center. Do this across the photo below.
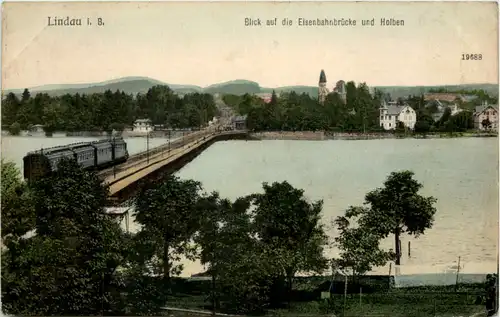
(169, 139)
(114, 156)
(147, 146)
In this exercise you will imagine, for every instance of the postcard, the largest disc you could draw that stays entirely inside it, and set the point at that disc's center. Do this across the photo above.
(250, 158)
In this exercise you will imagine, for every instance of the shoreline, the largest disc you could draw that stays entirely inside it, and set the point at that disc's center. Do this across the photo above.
(275, 135)
(324, 136)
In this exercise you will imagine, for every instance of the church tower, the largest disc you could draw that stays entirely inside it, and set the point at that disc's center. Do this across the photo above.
(322, 90)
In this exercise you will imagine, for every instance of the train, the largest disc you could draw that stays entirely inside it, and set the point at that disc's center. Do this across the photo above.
(94, 155)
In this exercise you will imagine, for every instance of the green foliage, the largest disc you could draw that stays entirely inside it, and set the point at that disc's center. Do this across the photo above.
(10, 108)
(69, 266)
(444, 118)
(15, 129)
(231, 100)
(246, 278)
(165, 212)
(400, 127)
(105, 111)
(460, 122)
(491, 288)
(290, 230)
(235, 87)
(145, 295)
(394, 209)
(250, 251)
(422, 126)
(397, 208)
(359, 247)
(293, 112)
(18, 217)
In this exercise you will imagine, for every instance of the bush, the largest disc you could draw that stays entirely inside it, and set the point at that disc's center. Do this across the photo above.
(15, 129)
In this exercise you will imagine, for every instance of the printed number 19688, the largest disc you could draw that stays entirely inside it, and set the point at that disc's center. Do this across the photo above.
(472, 57)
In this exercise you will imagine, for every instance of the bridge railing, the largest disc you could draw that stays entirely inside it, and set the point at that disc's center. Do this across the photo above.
(153, 153)
(180, 142)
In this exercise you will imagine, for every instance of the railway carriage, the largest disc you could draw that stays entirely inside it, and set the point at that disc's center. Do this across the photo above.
(90, 155)
(84, 154)
(120, 150)
(104, 151)
(54, 157)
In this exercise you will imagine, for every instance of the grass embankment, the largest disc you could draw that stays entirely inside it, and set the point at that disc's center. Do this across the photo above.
(464, 300)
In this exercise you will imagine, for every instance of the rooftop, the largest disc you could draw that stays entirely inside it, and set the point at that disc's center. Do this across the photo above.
(394, 110)
(142, 120)
(450, 97)
(480, 109)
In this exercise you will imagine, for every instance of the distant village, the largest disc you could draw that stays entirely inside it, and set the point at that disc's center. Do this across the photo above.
(392, 112)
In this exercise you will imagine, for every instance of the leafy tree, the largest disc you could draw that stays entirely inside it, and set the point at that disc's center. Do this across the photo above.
(118, 127)
(69, 266)
(210, 237)
(18, 216)
(15, 129)
(274, 99)
(444, 118)
(400, 126)
(26, 95)
(424, 121)
(232, 100)
(422, 126)
(165, 212)
(241, 272)
(289, 227)
(397, 208)
(246, 276)
(491, 287)
(10, 107)
(359, 246)
(462, 121)
(416, 102)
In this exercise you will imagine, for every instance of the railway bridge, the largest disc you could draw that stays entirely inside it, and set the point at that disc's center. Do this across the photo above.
(124, 180)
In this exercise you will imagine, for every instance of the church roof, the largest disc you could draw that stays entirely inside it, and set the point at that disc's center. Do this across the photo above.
(322, 77)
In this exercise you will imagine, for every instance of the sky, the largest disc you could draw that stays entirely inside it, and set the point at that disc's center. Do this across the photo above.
(206, 43)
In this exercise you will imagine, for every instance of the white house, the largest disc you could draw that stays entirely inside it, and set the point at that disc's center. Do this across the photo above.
(143, 126)
(486, 114)
(391, 114)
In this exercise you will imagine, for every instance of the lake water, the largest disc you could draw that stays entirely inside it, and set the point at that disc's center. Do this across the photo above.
(461, 173)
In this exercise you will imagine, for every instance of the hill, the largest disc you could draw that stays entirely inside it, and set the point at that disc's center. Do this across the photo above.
(234, 87)
(134, 85)
(130, 85)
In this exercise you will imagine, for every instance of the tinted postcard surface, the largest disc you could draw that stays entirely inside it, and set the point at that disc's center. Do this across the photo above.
(239, 147)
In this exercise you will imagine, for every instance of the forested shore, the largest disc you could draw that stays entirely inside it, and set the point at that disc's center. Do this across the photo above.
(106, 111)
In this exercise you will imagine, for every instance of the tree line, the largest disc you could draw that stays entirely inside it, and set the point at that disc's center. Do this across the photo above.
(64, 255)
(359, 112)
(106, 111)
